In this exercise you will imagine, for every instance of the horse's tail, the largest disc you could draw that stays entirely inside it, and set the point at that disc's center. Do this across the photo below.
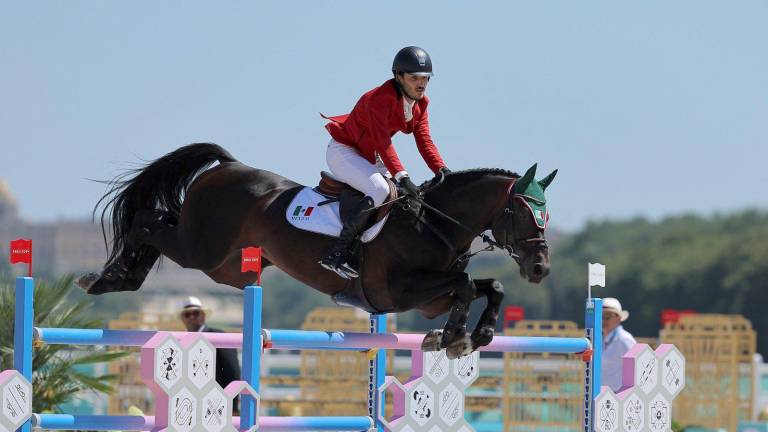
(157, 186)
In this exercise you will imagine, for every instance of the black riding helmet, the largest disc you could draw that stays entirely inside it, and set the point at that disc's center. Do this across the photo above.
(412, 60)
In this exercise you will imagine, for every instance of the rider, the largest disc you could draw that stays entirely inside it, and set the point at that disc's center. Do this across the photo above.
(361, 153)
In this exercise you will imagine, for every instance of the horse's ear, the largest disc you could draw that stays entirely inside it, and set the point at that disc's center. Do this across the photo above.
(525, 180)
(547, 180)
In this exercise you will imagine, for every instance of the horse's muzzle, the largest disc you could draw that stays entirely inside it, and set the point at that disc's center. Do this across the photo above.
(540, 271)
(535, 272)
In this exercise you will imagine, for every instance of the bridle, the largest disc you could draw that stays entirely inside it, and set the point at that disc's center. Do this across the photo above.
(538, 241)
(508, 212)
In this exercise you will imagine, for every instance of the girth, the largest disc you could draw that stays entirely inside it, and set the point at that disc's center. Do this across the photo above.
(354, 293)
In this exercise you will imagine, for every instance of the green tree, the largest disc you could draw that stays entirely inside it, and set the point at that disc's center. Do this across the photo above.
(56, 377)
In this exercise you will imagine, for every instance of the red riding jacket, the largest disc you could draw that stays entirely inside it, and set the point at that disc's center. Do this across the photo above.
(376, 117)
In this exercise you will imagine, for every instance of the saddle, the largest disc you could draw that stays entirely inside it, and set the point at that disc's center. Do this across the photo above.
(336, 190)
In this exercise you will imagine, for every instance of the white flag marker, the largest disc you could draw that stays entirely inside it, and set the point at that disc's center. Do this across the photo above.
(596, 273)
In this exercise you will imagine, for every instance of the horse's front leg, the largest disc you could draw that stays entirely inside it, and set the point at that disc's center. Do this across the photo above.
(493, 290)
(425, 286)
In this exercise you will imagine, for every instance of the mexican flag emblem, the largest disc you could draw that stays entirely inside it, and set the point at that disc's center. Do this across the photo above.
(302, 211)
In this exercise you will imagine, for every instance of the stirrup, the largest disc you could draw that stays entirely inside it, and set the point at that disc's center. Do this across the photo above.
(349, 271)
(334, 269)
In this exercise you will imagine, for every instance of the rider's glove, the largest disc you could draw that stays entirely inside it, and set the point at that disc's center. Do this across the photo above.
(408, 187)
(444, 170)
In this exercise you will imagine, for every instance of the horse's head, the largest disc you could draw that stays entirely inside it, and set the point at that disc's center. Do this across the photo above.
(521, 225)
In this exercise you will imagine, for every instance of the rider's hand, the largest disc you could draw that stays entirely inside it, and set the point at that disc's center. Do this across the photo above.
(407, 185)
(444, 171)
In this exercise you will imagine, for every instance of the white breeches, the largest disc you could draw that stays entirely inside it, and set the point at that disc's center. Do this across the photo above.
(349, 166)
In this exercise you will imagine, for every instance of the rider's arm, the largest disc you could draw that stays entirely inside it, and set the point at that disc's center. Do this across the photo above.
(425, 145)
(381, 138)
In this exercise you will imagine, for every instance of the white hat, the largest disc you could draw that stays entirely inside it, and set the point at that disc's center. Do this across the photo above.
(192, 302)
(612, 305)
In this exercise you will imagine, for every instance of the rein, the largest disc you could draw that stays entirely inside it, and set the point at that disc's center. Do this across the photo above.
(492, 244)
(466, 256)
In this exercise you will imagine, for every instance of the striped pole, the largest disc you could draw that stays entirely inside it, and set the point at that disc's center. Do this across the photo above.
(22, 332)
(252, 349)
(310, 339)
(106, 337)
(593, 327)
(147, 423)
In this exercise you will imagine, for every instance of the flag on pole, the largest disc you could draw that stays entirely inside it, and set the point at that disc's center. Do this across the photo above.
(596, 274)
(251, 261)
(513, 314)
(21, 252)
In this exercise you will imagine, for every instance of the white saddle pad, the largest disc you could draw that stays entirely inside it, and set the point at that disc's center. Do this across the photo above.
(305, 213)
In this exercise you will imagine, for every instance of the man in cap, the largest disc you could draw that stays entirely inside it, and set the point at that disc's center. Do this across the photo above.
(616, 342)
(227, 366)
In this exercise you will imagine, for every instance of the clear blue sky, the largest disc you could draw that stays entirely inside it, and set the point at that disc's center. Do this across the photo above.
(647, 108)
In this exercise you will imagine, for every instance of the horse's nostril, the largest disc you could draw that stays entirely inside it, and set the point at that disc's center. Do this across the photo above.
(538, 270)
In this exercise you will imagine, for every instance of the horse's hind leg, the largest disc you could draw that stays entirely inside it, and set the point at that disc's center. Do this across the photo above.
(129, 269)
(199, 243)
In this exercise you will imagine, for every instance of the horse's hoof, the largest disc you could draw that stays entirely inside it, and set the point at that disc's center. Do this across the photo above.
(96, 284)
(86, 281)
(459, 348)
(432, 341)
(482, 337)
(452, 334)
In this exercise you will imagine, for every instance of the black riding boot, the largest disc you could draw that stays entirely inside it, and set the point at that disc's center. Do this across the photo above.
(354, 225)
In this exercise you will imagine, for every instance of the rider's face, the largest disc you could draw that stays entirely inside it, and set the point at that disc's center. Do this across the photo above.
(413, 85)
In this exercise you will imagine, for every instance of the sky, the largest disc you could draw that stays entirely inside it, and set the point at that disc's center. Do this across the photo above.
(649, 108)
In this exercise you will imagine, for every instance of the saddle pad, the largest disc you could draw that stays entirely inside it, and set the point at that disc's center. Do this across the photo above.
(305, 213)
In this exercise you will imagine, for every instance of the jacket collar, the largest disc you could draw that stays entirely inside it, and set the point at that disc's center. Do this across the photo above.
(418, 107)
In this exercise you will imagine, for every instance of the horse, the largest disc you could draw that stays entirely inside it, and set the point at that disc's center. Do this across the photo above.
(201, 215)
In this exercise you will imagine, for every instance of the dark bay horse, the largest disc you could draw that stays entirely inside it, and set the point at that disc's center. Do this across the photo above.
(201, 218)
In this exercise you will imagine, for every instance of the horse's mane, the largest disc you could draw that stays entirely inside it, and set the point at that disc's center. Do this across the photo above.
(474, 173)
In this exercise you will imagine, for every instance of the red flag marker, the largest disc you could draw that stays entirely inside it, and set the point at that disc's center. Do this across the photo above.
(512, 314)
(21, 252)
(251, 261)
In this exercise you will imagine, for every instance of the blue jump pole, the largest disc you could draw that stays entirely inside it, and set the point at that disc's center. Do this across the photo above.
(22, 332)
(252, 349)
(377, 373)
(312, 339)
(593, 326)
(147, 423)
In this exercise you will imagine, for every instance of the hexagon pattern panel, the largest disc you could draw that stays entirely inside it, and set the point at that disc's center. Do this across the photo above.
(200, 360)
(182, 411)
(606, 412)
(433, 397)
(672, 363)
(633, 409)
(16, 393)
(182, 375)
(214, 408)
(651, 381)
(660, 414)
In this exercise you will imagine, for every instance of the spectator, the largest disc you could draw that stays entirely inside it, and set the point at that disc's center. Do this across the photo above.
(616, 342)
(227, 366)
